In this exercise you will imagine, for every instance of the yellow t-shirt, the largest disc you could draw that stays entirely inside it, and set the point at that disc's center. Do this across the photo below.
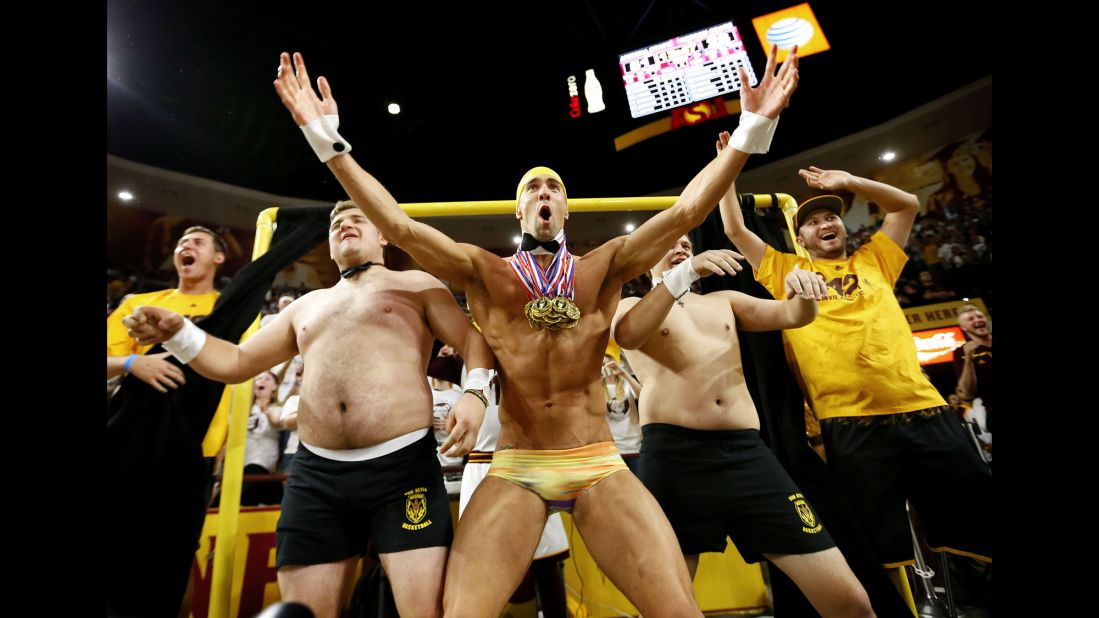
(119, 343)
(858, 357)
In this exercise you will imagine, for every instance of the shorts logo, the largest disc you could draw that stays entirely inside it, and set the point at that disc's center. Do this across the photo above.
(812, 526)
(415, 508)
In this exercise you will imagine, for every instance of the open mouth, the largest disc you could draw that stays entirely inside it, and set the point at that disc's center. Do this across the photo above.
(187, 259)
(828, 236)
(544, 213)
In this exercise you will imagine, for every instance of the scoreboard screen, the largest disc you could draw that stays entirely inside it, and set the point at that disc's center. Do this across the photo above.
(686, 69)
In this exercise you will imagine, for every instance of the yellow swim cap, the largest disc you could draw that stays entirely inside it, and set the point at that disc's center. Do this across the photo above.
(537, 171)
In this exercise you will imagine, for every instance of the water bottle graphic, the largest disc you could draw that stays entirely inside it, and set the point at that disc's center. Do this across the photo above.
(593, 92)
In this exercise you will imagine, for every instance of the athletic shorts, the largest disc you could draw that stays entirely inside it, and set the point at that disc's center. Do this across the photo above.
(717, 483)
(332, 509)
(877, 462)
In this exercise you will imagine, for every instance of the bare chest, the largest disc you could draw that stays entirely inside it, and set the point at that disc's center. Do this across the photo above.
(698, 321)
(521, 348)
(355, 313)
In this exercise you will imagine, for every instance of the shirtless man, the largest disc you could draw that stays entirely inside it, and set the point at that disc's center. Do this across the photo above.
(366, 466)
(701, 452)
(555, 450)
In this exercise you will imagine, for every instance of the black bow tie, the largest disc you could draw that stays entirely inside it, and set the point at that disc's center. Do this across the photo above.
(354, 270)
(531, 243)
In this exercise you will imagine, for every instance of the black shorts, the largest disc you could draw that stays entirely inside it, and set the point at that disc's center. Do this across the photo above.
(713, 484)
(333, 508)
(877, 462)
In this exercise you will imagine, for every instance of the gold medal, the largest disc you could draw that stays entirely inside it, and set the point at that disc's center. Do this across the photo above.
(558, 313)
(548, 312)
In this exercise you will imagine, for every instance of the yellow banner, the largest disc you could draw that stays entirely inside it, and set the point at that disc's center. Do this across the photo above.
(255, 585)
(939, 315)
(725, 584)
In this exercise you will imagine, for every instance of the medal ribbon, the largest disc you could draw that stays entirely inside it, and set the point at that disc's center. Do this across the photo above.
(557, 280)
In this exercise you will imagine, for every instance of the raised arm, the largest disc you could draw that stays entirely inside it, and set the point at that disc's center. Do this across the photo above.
(318, 118)
(732, 219)
(635, 321)
(633, 385)
(760, 107)
(804, 289)
(967, 380)
(451, 325)
(216, 359)
(617, 371)
(900, 206)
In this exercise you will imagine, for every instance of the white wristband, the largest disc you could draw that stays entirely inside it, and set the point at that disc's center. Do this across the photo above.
(770, 129)
(478, 379)
(187, 343)
(322, 136)
(679, 279)
(754, 133)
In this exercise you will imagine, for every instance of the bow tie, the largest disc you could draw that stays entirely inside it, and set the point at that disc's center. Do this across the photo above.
(531, 243)
(354, 270)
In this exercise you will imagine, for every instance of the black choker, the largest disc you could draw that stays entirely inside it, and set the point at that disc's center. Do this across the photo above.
(354, 270)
